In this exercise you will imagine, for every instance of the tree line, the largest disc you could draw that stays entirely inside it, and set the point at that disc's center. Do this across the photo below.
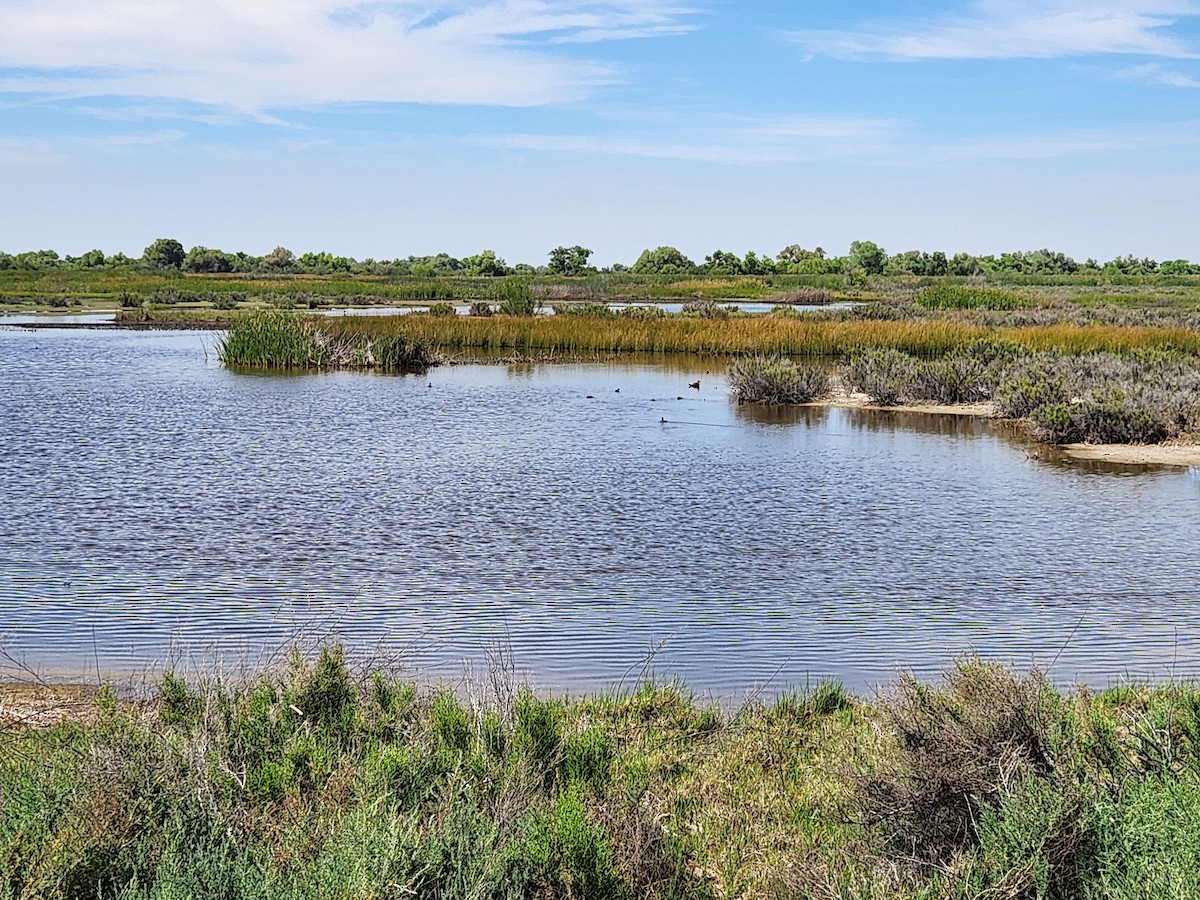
(865, 258)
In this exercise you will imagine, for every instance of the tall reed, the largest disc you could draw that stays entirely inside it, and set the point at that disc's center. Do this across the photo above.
(277, 339)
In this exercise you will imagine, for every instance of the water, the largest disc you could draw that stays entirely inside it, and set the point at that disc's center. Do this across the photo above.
(158, 507)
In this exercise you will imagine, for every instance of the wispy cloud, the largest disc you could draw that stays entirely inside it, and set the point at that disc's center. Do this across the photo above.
(1018, 29)
(19, 151)
(1153, 73)
(296, 53)
(730, 140)
(1069, 143)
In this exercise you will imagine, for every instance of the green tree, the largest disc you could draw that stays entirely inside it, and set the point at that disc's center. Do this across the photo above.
(205, 260)
(324, 263)
(569, 260)
(164, 253)
(486, 264)
(663, 261)
(794, 253)
(93, 259)
(868, 256)
(754, 264)
(720, 262)
(281, 259)
(964, 264)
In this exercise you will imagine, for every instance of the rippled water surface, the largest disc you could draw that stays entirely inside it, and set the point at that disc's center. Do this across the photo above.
(157, 506)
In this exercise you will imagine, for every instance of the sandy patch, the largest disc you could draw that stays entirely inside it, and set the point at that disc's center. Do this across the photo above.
(39, 706)
(1182, 455)
(850, 400)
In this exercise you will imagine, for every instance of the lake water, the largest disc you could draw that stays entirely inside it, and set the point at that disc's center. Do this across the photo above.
(159, 508)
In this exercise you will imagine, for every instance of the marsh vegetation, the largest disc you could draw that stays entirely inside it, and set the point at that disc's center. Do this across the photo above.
(327, 780)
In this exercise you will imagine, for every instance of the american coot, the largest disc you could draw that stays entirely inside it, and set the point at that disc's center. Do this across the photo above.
(695, 384)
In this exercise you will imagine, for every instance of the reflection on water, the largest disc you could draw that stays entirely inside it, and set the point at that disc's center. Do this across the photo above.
(157, 504)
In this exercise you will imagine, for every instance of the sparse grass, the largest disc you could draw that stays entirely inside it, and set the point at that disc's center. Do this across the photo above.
(323, 781)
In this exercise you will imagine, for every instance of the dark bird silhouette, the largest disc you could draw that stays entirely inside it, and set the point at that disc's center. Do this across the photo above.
(617, 391)
(695, 384)
(662, 421)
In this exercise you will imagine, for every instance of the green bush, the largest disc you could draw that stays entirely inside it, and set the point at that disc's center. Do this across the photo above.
(777, 380)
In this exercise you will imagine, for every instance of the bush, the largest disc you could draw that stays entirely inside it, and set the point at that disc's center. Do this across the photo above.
(442, 309)
(516, 298)
(777, 380)
(959, 748)
(885, 376)
(705, 308)
(481, 308)
(643, 313)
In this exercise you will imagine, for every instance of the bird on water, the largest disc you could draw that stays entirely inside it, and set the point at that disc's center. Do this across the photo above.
(695, 384)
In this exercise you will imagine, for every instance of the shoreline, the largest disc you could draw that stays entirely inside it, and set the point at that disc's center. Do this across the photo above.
(1177, 454)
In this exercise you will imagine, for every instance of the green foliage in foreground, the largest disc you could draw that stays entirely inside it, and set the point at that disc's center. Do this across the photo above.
(325, 782)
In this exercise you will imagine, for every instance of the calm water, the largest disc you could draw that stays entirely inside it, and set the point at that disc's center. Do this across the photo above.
(157, 506)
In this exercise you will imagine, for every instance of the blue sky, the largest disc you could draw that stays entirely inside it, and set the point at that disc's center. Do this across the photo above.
(385, 129)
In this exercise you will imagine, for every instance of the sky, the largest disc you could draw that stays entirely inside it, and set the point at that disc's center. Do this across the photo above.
(389, 129)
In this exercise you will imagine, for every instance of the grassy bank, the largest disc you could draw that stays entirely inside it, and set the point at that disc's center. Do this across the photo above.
(797, 336)
(326, 782)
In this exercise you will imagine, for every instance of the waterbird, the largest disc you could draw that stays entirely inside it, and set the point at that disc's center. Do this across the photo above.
(617, 391)
(662, 421)
(695, 384)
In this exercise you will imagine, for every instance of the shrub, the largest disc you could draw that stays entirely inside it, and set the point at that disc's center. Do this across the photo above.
(705, 308)
(885, 376)
(959, 748)
(776, 379)
(481, 308)
(442, 309)
(516, 298)
(643, 313)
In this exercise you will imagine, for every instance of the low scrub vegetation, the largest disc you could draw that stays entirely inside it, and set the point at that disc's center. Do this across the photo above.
(1142, 398)
(777, 380)
(326, 781)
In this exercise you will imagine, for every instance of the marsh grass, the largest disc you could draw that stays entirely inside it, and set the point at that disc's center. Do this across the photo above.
(323, 780)
(275, 339)
(655, 332)
(966, 296)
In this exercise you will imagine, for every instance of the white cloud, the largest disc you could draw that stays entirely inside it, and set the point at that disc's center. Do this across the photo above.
(1018, 29)
(22, 152)
(295, 53)
(1143, 138)
(729, 140)
(1153, 73)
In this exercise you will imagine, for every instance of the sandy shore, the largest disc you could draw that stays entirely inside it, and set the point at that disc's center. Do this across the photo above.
(1137, 454)
(39, 706)
(1171, 454)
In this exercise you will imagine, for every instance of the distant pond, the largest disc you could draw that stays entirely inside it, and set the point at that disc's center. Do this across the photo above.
(602, 521)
